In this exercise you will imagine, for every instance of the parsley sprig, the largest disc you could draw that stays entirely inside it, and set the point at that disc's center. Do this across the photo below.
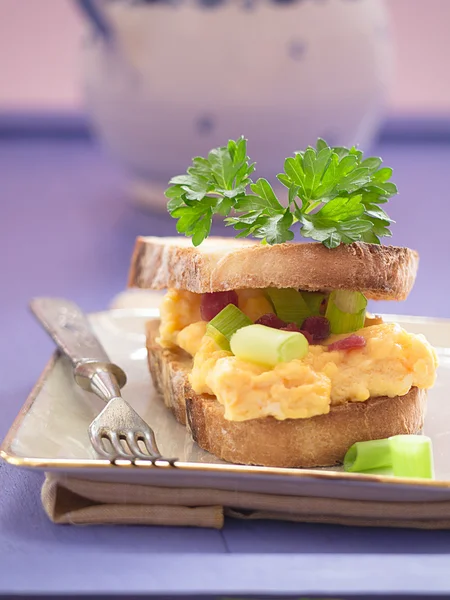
(334, 196)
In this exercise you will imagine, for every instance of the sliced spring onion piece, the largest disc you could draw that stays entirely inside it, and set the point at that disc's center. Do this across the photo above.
(314, 301)
(348, 301)
(346, 311)
(268, 346)
(412, 456)
(225, 324)
(220, 339)
(365, 456)
(289, 305)
(380, 471)
(399, 455)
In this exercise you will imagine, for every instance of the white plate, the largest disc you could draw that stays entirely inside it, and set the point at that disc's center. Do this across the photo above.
(50, 433)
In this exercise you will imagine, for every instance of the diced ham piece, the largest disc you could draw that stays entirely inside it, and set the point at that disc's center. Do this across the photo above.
(318, 327)
(212, 304)
(271, 320)
(294, 327)
(349, 343)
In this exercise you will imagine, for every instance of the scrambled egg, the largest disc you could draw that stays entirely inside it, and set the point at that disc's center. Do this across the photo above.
(254, 303)
(178, 309)
(392, 361)
(190, 338)
(249, 391)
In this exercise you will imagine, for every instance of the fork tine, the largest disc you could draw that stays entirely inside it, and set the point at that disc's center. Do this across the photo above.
(117, 446)
(96, 441)
(148, 437)
(124, 440)
(132, 438)
(150, 444)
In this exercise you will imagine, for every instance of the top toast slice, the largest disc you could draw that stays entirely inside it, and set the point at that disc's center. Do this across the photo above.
(380, 272)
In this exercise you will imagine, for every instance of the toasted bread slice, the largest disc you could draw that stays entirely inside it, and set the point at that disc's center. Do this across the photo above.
(379, 272)
(315, 442)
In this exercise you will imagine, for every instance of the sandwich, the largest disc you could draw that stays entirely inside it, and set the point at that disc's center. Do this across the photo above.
(265, 348)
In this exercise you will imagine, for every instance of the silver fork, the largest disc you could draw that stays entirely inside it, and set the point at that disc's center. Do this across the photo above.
(118, 423)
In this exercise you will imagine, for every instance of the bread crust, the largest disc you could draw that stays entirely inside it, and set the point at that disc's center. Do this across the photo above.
(315, 442)
(380, 272)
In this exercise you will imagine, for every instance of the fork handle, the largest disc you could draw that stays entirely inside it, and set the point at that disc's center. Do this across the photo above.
(69, 328)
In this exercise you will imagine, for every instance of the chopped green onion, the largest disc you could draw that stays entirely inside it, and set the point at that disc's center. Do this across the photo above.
(399, 455)
(268, 346)
(289, 305)
(365, 456)
(380, 471)
(314, 301)
(348, 301)
(346, 311)
(222, 327)
(220, 339)
(412, 456)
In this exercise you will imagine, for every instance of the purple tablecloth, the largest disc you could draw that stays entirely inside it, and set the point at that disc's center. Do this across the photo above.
(67, 229)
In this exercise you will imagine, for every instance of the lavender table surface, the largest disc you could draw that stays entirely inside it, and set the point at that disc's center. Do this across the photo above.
(68, 229)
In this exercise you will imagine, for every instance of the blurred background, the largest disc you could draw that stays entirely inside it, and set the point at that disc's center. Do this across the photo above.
(102, 101)
(160, 81)
(41, 47)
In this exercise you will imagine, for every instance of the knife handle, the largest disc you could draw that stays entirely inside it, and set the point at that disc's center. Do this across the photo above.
(69, 328)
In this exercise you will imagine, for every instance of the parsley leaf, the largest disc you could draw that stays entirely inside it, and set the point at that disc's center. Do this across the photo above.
(333, 193)
(194, 220)
(276, 228)
(264, 191)
(339, 221)
(263, 215)
(320, 176)
(211, 186)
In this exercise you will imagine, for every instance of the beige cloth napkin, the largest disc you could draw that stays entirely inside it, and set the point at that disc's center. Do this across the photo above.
(84, 502)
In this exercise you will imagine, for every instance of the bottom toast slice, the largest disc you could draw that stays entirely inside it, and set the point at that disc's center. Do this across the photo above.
(319, 441)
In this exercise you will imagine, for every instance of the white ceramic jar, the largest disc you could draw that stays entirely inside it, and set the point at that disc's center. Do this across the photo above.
(176, 78)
